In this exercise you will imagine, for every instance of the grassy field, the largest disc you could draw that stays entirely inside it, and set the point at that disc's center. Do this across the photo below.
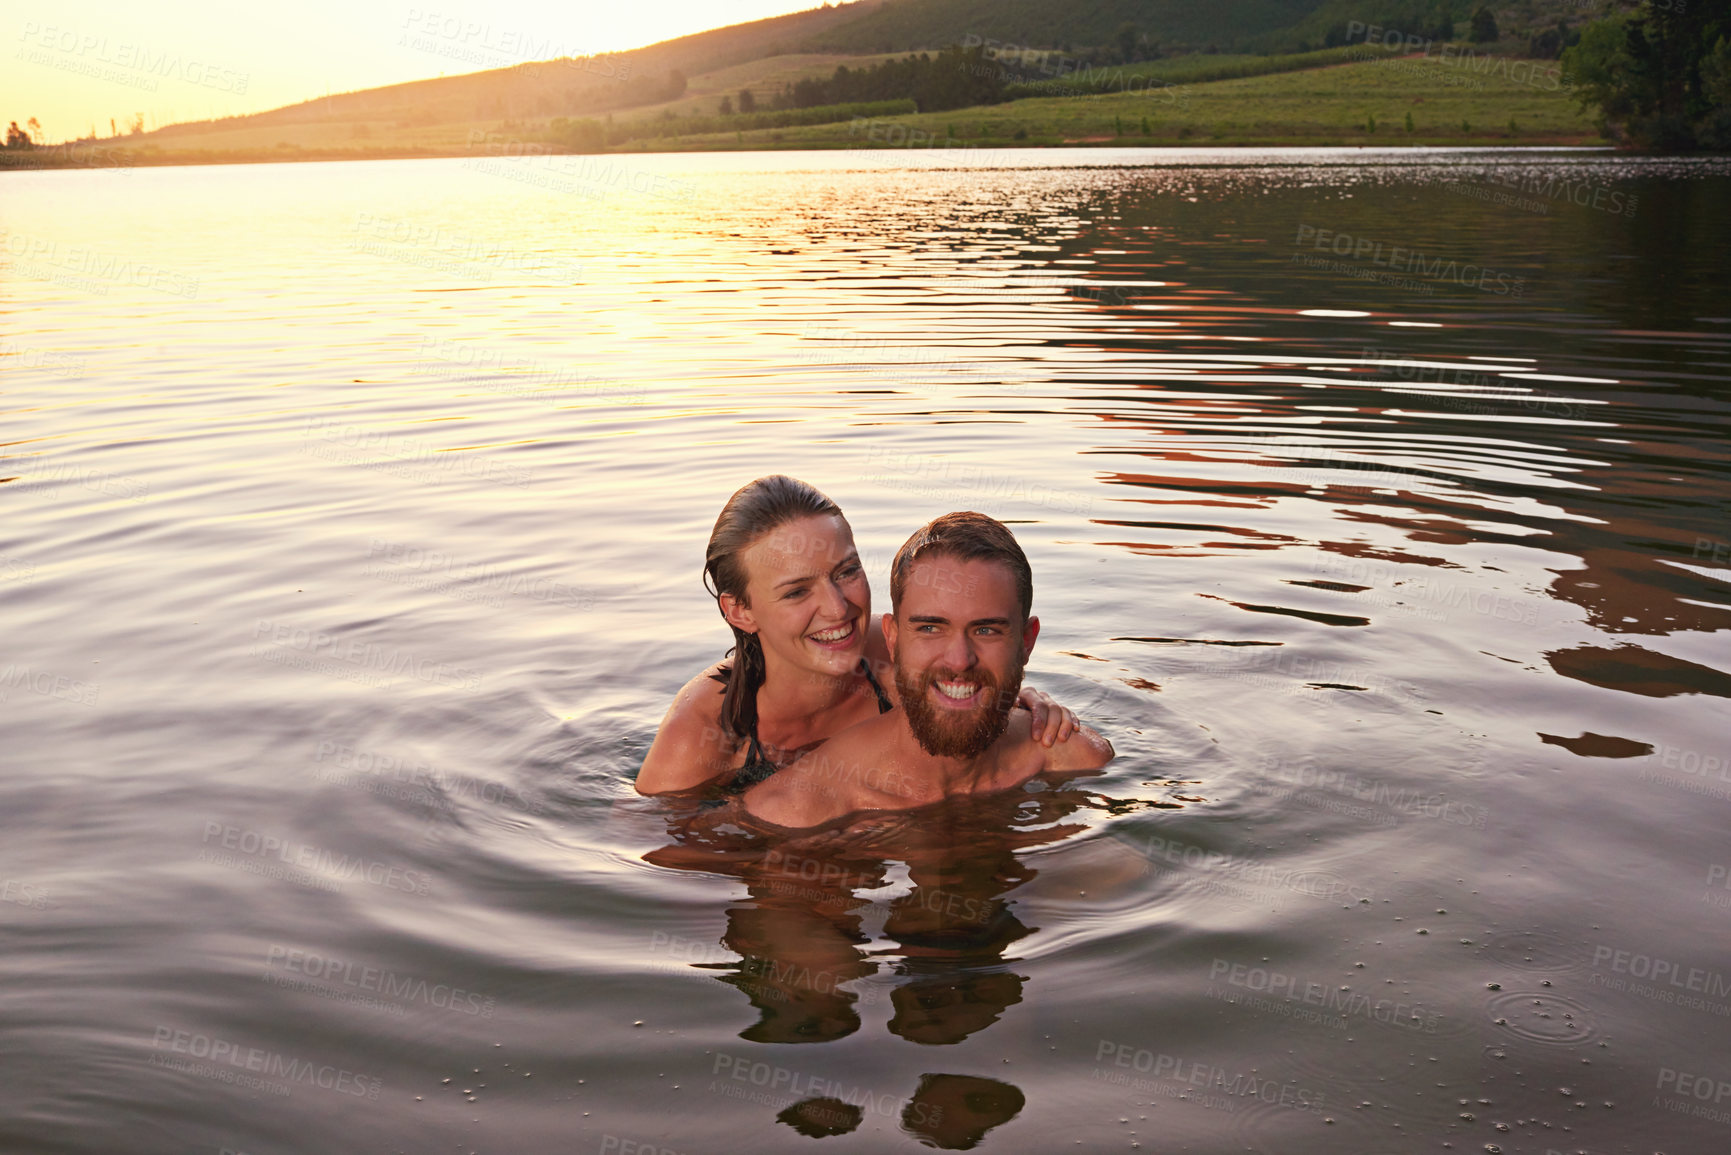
(1498, 100)
(1196, 68)
(1516, 102)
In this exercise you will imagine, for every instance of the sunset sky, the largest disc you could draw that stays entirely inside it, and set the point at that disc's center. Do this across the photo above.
(74, 66)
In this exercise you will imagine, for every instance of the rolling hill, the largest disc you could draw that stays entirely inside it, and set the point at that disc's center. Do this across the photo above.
(684, 79)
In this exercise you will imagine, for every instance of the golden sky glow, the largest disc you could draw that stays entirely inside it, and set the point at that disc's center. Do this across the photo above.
(76, 66)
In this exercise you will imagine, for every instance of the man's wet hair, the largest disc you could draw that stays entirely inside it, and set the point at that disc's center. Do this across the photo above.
(963, 536)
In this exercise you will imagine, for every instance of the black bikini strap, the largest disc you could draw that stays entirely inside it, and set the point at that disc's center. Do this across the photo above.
(884, 703)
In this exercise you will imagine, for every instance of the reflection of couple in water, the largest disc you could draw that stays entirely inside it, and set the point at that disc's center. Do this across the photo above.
(840, 744)
(805, 721)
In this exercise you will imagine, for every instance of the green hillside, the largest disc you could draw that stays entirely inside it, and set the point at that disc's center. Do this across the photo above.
(1364, 103)
(671, 94)
(900, 25)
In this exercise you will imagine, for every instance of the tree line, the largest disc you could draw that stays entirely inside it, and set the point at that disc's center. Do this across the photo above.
(1660, 73)
(956, 77)
(20, 138)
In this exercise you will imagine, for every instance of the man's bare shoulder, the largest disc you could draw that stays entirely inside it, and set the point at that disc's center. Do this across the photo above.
(843, 775)
(1082, 751)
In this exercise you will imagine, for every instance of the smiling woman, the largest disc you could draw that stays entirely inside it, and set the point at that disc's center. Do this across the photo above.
(788, 580)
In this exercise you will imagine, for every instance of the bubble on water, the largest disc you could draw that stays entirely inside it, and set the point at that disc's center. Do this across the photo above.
(1552, 1019)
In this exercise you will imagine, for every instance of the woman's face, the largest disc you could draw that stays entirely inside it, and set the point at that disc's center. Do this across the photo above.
(808, 600)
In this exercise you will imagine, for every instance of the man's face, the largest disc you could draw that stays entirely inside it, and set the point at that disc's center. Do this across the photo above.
(959, 644)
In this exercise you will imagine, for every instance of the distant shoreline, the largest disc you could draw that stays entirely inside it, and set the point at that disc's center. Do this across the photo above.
(155, 158)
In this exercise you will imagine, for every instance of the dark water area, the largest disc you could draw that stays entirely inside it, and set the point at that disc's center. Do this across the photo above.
(352, 537)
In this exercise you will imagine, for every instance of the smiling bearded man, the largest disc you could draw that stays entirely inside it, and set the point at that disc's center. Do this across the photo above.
(960, 636)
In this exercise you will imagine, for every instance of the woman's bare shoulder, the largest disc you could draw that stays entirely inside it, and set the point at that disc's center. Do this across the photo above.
(691, 748)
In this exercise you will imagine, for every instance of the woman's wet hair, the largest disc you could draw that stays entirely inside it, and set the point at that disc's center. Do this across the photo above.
(756, 509)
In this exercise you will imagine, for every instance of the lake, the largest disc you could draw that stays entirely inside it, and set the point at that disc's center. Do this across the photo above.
(352, 550)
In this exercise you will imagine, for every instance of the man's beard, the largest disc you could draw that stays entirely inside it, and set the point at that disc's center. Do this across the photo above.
(950, 733)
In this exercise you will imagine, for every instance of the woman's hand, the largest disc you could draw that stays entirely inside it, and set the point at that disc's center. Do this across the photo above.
(1052, 722)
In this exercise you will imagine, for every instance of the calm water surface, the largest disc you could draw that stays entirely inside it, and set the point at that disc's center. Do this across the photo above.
(1377, 503)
